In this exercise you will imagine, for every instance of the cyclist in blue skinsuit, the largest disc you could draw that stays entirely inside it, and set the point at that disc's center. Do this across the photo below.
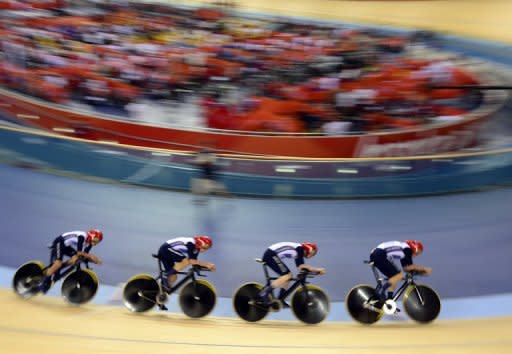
(176, 254)
(385, 257)
(72, 244)
(274, 256)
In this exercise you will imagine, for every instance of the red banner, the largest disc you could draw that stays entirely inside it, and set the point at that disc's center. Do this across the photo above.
(435, 139)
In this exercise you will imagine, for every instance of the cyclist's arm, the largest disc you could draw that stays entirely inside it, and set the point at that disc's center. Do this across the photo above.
(418, 268)
(312, 269)
(88, 256)
(207, 265)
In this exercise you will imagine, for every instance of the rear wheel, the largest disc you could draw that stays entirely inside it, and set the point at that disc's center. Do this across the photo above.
(27, 278)
(362, 304)
(247, 304)
(80, 286)
(197, 298)
(421, 303)
(140, 293)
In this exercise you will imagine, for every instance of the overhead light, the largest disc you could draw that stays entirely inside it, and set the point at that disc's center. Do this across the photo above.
(63, 130)
(156, 153)
(108, 141)
(110, 152)
(352, 171)
(285, 169)
(26, 116)
(291, 168)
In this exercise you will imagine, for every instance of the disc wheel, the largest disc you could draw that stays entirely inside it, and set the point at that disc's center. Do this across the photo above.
(246, 304)
(310, 304)
(27, 278)
(359, 301)
(421, 303)
(197, 298)
(80, 286)
(140, 293)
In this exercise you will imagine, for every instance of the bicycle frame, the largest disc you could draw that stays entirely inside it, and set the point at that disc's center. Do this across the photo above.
(298, 281)
(189, 275)
(69, 268)
(409, 280)
(74, 267)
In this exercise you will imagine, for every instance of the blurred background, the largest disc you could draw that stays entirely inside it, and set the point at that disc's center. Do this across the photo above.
(346, 123)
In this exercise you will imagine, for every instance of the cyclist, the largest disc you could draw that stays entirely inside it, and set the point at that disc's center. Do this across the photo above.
(274, 256)
(178, 253)
(72, 244)
(385, 256)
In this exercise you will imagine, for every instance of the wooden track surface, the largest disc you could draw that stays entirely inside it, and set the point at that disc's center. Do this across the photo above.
(490, 19)
(48, 325)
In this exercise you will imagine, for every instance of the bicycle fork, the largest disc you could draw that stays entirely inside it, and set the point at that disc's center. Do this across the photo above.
(422, 302)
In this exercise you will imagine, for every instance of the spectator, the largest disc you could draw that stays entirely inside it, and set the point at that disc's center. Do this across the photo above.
(207, 183)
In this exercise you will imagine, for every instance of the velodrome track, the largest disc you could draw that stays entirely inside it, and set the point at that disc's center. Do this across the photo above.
(35, 207)
(461, 232)
(467, 236)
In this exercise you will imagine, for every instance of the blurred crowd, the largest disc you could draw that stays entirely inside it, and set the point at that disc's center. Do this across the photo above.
(245, 73)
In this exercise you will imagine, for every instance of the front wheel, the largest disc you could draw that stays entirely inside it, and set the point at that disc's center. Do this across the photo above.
(80, 286)
(27, 278)
(140, 293)
(421, 303)
(197, 298)
(310, 304)
(247, 304)
(362, 304)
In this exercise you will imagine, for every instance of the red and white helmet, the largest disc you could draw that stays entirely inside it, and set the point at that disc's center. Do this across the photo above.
(203, 241)
(94, 235)
(310, 249)
(416, 246)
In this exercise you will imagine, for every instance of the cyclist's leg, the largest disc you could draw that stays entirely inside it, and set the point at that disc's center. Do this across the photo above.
(275, 263)
(57, 254)
(173, 262)
(388, 269)
(177, 266)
